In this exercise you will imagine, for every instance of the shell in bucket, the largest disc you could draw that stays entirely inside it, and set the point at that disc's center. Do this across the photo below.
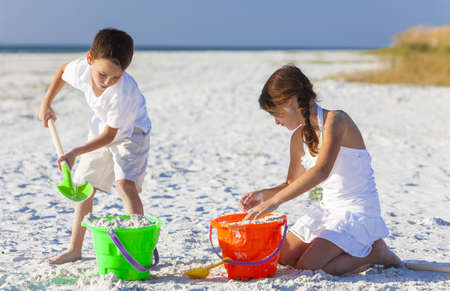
(138, 242)
(249, 243)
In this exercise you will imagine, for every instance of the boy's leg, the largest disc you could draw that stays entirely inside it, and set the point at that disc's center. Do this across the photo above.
(130, 157)
(74, 252)
(128, 192)
(291, 250)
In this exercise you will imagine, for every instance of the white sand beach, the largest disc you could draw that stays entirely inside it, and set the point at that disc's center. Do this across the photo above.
(210, 143)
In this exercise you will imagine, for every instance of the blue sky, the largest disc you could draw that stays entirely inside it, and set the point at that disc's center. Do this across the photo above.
(314, 23)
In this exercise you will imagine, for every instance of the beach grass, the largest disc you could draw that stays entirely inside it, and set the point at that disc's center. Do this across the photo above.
(419, 56)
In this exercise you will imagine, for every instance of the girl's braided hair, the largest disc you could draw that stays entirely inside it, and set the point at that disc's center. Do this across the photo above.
(285, 83)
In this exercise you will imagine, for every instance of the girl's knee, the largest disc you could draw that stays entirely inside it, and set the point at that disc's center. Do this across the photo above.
(307, 264)
(283, 260)
(318, 255)
(291, 250)
(286, 259)
(332, 270)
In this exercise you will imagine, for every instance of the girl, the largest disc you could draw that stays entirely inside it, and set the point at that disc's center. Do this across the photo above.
(345, 234)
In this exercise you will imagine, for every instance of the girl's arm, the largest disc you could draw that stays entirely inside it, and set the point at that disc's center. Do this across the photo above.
(296, 169)
(56, 85)
(333, 132)
(105, 138)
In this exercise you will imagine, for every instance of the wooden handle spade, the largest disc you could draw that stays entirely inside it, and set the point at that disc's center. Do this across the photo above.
(55, 137)
(67, 187)
(424, 267)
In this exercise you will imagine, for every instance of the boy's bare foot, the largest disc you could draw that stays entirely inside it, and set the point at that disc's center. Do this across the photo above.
(383, 256)
(66, 257)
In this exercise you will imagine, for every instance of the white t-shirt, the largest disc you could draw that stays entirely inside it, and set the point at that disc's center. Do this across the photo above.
(120, 106)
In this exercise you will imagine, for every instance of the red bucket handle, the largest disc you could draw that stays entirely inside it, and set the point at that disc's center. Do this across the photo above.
(249, 263)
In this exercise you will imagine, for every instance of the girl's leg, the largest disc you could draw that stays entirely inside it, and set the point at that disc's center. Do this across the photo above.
(128, 192)
(291, 250)
(380, 254)
(318, 254)
(74, 252)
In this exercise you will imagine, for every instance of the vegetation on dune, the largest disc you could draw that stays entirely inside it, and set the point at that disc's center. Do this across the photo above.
(419, 56)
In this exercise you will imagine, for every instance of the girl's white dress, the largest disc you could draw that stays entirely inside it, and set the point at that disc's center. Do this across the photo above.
(349, 213)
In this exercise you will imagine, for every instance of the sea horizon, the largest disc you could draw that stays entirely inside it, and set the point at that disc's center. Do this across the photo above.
(58, 48)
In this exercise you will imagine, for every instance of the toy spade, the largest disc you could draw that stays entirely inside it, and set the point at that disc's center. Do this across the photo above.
(67, 188)
(425, 267)
(202, 273)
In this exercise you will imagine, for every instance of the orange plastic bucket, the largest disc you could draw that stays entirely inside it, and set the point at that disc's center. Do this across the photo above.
(253, 248)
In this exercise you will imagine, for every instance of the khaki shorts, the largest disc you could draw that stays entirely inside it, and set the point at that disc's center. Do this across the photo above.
(125, 159)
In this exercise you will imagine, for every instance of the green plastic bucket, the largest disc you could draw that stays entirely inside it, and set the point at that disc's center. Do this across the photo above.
(126, 252)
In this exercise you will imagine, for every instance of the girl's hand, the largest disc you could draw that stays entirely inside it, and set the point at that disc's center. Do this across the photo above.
(46, 113)
(261, 209)
(69, 157)
(250, 200)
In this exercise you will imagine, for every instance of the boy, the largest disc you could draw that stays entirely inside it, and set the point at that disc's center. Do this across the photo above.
(118, 142)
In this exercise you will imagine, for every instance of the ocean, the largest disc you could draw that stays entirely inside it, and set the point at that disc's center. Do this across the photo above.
(81, 48)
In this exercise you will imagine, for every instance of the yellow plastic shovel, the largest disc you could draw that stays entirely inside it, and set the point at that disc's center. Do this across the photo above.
(202, 273)
(67, 188)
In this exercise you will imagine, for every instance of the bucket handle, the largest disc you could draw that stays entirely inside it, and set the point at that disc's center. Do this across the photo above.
(249, 263)
(128, 256)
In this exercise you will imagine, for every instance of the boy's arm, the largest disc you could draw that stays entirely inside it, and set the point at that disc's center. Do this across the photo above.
(57, 83)
(105, 138)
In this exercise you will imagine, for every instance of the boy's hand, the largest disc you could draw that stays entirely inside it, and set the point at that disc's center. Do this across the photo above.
(69, 157)
(251, 200)
(46, 113)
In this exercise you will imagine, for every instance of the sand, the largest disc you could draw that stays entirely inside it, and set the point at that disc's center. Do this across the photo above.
(210, 144)
(275, 217)
(133, 222)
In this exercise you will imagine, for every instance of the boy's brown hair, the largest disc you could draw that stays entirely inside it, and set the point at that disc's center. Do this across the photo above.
(115, 45)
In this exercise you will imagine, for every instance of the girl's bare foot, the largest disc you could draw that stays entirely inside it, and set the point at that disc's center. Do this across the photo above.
(67, 256)
(383, 256)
